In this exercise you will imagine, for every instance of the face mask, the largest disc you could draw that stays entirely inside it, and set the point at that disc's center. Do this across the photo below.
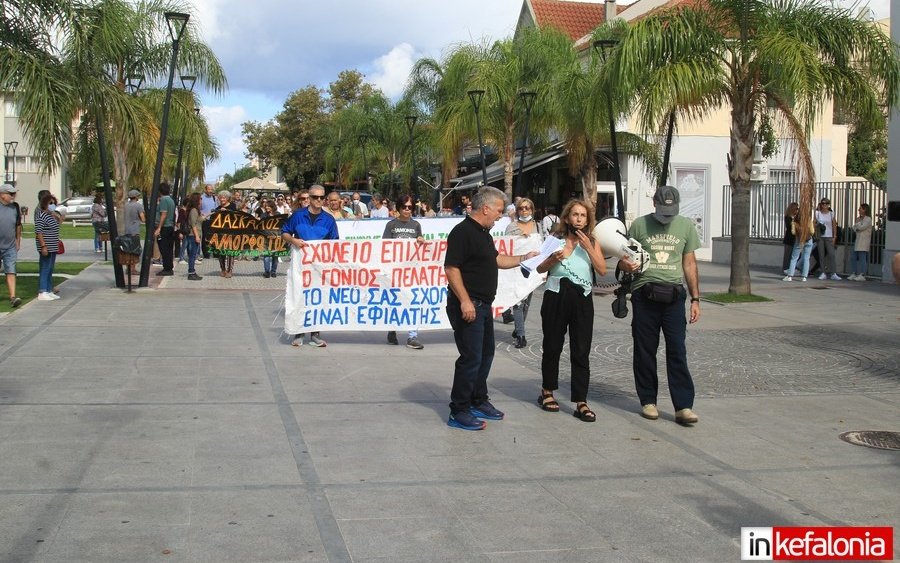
(525, 218)
(51, 207)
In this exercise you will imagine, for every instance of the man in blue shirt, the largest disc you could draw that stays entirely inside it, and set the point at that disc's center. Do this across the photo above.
(309, 223)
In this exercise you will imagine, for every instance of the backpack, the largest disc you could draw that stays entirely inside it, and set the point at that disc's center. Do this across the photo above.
(184, 227)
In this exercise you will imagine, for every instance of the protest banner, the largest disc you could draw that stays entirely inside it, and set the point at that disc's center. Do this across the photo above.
(379, 285)
(235, 233)
(433, 228)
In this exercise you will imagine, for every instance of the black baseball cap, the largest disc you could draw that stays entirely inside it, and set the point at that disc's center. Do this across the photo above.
(666, 200)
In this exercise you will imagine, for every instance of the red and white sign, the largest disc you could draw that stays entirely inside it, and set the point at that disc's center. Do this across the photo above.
(823, 543)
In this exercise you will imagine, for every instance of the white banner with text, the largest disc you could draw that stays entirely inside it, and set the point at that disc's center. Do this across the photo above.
(385, 284)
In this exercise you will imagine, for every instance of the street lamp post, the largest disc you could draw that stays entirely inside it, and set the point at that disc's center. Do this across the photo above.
(362, 142)
(177, 22)
(411, 126)
(337, 167)
(476, 96)
(187, 83)
(10, 147)
(603, 46)
(528, 99)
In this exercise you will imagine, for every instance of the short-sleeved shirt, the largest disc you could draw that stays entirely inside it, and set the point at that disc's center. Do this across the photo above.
(10, 219)
(208, 204)
(47, 226)
(402, 229)
(133, 210)
(167, 204)
(826, 219)
(470, 247)
(376, 213)
(194, 221)
(308, 226)
(667, 245)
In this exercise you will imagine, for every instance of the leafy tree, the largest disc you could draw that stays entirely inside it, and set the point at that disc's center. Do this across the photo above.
(784, 58)
(81, 73)
(240, 175)
(349, 88)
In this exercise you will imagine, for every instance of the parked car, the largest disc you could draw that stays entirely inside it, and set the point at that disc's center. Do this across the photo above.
(76, 208)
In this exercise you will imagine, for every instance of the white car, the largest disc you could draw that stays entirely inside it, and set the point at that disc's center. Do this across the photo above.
(76, 208)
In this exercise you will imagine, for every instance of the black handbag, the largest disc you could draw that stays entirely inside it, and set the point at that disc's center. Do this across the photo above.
(128, 244)
(664, 293)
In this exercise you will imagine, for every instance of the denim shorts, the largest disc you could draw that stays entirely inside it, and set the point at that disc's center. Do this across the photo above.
(9, 256)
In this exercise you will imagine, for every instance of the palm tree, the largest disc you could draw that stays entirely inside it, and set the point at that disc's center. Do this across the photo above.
(786, 58)
(502, 69)
(83, 74)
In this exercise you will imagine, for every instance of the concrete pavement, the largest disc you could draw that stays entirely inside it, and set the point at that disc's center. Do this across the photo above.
(176, 425)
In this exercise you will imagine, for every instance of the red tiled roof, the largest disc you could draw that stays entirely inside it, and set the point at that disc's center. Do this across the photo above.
(670, 5)
(575, 19)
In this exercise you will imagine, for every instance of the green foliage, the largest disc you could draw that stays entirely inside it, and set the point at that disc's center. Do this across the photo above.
(240, 175)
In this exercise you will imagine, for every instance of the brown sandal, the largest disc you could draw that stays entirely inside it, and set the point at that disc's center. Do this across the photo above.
(584, 413)
(547, 402)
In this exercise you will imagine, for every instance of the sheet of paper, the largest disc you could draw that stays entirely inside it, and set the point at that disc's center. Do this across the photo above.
(551, 245)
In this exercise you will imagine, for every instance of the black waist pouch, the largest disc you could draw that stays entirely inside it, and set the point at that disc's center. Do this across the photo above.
(664, 293)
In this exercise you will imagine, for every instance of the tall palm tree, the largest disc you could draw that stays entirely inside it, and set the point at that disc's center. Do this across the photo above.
(502, 69)
(787, 57)
(83, 74)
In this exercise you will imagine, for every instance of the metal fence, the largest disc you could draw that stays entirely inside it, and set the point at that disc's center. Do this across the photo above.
(768, 203)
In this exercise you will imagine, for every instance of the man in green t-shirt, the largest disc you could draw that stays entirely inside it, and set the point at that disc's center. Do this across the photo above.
(658, 298)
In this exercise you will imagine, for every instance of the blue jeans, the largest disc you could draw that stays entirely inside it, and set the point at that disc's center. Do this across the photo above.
(193, 249)
(97, 244)
(270, 264)
(804, 261)
(647, 320)
(520, 312)
(45, 272)
(861, 262)
(475, 343)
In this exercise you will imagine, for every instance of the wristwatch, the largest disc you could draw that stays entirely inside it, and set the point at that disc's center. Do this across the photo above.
(695, 299)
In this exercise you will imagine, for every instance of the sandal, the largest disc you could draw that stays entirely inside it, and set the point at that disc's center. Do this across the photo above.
(547, 402)
(584, 413)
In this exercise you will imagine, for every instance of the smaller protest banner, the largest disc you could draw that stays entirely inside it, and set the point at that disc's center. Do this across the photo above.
(235, 233)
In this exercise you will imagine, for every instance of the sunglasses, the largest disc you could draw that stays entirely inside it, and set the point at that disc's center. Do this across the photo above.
(317, 197)
(525, 207)
(406, 207)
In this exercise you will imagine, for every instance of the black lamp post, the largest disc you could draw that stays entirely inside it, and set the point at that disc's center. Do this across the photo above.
(476, 97)
(187, 83)
(133, 83)
(411, 126)
(363, 139)
(10, 147)
(603, 46)
(177, 22)
(528, 99)
(337, 166)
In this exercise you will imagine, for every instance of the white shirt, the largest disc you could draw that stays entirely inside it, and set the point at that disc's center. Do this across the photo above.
(382, 213)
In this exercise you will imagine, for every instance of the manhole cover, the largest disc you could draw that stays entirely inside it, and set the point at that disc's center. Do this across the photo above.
(873, 439)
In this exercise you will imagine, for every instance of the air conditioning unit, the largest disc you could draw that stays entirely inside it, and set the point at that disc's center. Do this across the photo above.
(759, 172)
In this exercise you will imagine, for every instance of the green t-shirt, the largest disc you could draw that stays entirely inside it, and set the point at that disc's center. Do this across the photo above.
(667, 244)
(167, 204)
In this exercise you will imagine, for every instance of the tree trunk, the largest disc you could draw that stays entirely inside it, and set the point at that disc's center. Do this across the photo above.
(121, 172)
(589, 176)
(509, 154)
(740, 162)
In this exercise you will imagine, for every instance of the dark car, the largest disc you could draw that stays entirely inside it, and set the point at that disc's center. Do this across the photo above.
(76, 208)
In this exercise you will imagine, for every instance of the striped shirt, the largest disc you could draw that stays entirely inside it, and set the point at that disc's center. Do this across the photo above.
(46, 224)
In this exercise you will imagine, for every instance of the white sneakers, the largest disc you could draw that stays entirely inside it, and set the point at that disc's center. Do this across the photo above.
(787, 278)
(823, 276)
(836, 277)
(856, 277)
(46, 296)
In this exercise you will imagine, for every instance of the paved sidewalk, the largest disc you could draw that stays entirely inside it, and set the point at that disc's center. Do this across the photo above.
(176, 425)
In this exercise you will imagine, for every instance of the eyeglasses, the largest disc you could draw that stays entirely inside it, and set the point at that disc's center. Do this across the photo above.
(316, 197)
(406, 207)
(524, 207)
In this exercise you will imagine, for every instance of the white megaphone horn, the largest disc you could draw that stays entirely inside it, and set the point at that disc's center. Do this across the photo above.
(614, 243)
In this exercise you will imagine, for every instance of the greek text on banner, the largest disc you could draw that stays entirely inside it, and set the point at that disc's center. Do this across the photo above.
(373, 285)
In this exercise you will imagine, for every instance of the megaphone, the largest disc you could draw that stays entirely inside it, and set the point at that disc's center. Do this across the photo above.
(614, 243)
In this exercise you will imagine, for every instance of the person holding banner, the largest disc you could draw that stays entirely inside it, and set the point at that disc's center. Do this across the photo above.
(569, 306)
(523, 226)
(310, 223)
(472, 263)
(405, 226)
(226, 263)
